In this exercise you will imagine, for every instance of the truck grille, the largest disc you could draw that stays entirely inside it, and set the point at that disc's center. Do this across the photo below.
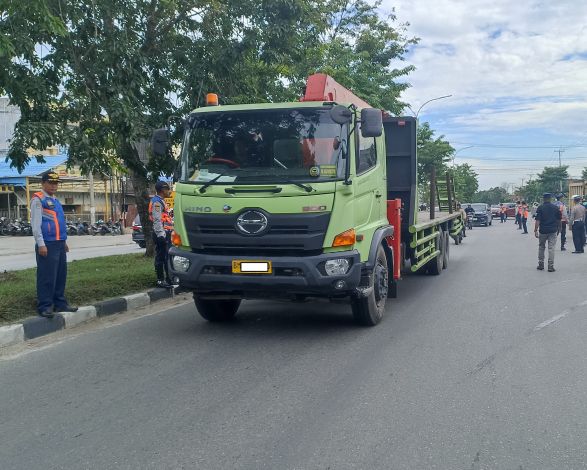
(286, 234)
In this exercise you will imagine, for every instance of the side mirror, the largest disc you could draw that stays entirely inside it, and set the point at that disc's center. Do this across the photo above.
(160, 142)
(341, 114)
(371, 122)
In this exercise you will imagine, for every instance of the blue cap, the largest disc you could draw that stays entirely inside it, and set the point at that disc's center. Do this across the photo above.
(547, 195)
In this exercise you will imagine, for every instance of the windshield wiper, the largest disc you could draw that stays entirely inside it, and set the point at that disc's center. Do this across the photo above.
(305, 187)
(212, 181)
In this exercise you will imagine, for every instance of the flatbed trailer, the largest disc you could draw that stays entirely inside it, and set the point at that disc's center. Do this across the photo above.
(425, 236)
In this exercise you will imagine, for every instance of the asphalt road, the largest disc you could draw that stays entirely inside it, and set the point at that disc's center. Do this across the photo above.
(483, 367)
(19, 252)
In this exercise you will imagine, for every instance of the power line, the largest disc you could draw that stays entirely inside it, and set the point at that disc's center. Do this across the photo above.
(520, 146)
(520, 159)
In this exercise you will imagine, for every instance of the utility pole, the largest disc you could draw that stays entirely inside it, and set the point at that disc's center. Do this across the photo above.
(92, 204)
(559, 151)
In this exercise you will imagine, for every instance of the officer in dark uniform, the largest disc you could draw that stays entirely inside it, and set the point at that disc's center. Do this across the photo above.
(50, 234)
(162, 228)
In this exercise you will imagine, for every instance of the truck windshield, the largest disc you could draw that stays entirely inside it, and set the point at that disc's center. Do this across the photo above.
(264, 146)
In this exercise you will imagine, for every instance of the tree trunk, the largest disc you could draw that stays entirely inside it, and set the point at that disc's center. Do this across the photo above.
(142, 197)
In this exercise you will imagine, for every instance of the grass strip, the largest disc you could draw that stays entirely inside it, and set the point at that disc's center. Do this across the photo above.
(88, 281)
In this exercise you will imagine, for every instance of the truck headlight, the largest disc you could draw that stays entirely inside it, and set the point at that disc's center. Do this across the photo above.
(336, 267)
(180, 263)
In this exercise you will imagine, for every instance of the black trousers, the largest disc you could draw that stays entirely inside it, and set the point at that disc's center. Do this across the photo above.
(161, 257)
(579, 235)
(51, 277)
(563, 234)
(524, 226)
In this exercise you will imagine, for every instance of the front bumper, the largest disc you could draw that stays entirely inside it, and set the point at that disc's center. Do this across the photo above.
(292, 276)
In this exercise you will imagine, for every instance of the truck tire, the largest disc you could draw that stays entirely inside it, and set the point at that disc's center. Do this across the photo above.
(369, 310)
(220, 310)
(446, 253)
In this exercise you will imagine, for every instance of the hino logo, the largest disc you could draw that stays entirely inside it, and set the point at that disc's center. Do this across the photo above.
(251, 223)
(198, 209)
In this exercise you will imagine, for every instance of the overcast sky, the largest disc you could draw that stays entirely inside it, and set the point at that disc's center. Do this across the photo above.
(518, 75)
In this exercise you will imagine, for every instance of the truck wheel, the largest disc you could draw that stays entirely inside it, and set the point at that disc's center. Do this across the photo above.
(220, 310)
(142, 244)
(368, 311)
(446, 253)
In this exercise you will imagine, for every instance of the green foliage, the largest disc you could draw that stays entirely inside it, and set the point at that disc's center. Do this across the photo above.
(466, 182)
(492, 196)
(551, 180)
(584, 174)
(432, 153)
(100, 75)
(88, 280)
(361, 50)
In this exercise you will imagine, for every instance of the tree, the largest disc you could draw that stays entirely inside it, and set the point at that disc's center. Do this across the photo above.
(550, 180)
(466, 182)
(99, 75)
(553, 178)
(432, 153)
(117, 69)
(491, 196)
(584, 174)
(361, 50)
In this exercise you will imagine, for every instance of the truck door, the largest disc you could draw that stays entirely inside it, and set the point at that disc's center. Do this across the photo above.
(369, 198)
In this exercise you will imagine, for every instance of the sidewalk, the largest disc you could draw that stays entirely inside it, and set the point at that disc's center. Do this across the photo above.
(19, 252)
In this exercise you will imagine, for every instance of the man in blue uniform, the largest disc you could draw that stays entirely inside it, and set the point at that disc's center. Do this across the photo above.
(50, 234)
(162, 228)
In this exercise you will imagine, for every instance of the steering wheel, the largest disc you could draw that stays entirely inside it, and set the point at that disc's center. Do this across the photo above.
(223, 161)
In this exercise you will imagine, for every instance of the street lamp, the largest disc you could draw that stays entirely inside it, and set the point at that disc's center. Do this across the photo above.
(460, 150)
(429, 101)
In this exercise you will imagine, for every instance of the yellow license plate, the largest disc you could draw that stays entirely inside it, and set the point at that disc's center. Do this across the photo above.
(240, 266)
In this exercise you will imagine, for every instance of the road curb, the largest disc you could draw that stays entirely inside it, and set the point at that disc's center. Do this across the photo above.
(39, 326)
(11, 334)
(137, 300)
(35, 327)
(82, 315)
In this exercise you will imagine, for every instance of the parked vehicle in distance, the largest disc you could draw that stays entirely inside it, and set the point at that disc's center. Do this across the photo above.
(482, 214)
(137, 232)
(510, 209)
(495, 211)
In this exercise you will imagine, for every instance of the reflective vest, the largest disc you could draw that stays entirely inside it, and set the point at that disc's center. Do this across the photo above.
(165, 217)
(520, 210)
(53, 225)
(525, 213)
(503, 209)
(563, 209)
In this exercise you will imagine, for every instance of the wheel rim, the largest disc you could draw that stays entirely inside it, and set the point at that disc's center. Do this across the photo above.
(380, 282)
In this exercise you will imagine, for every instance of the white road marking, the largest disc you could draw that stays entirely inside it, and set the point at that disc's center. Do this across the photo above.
(556, 318)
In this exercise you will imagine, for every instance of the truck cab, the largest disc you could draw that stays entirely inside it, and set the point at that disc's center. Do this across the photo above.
(283, 200)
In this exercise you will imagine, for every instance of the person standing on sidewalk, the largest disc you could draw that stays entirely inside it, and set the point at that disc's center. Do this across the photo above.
(578, 225)
(50, 234)
(564, 219)
(546, 229)
(525, 215)
(162, 227)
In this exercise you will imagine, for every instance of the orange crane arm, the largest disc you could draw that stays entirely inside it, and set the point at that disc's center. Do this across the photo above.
(322, 87)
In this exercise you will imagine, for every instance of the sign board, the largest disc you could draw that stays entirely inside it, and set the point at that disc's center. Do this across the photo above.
(169, 200)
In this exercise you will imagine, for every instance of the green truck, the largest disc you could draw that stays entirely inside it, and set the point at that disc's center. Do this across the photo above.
(316, 198)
